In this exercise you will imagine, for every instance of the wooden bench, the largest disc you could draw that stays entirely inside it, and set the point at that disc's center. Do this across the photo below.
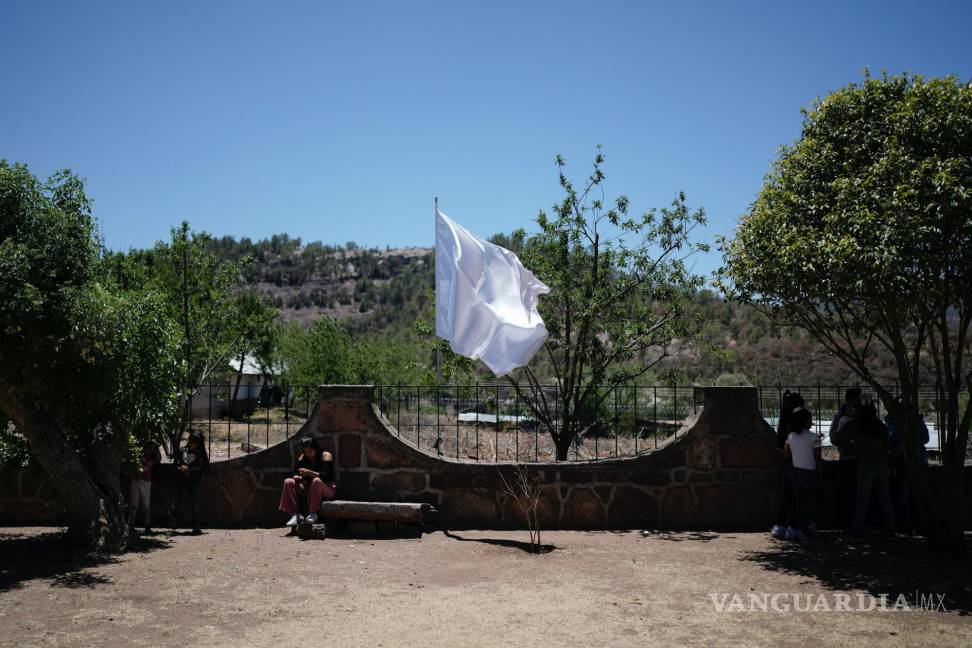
(387, 516)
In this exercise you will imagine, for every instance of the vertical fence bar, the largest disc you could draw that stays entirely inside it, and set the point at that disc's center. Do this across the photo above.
(616, 420)
(536, 423)
(477, 420)
(497, 426)
(210, 416)
(675, 407)
(516, 422)
(597, 420)
(637, 430)
(398, 398)
(229, 430)
(457, 420)
(438, 428)
(655, 414)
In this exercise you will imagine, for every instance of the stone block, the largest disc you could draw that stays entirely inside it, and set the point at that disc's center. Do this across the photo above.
(383, 454)
(633, 508)
(353, 484)
(548, 510)
(582, 510)
(604, 493)
(678, 509)
(700, 477)
(349, 450)
(340, 415)
(748, 452)
(727, 476)
(702, 452)
(275, 478)
(402, 481)
(261, 510)
(735, 506)
(469, 508)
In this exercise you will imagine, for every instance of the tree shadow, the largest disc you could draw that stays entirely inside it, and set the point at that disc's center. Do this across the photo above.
(503, 542)
(903, 565)
(681, 536)
(48, 556)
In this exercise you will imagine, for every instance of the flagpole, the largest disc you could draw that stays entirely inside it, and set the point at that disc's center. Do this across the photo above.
(438, 359)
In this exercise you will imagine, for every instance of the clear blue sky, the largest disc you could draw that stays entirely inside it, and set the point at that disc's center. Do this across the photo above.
(340, 121)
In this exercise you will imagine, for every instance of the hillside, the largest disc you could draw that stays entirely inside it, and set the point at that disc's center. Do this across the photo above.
(386, 291)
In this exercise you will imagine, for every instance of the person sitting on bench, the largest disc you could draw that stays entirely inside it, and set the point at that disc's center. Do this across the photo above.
(313, 477)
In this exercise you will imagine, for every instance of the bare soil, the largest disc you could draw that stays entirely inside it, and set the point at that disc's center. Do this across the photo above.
(259, 587)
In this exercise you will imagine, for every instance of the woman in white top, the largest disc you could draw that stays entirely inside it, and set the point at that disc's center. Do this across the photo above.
(803, 446)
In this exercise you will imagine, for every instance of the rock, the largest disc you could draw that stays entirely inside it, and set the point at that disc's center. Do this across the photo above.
(307, 531)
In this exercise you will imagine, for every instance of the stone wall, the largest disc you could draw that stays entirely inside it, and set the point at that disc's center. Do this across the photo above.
(720, 472)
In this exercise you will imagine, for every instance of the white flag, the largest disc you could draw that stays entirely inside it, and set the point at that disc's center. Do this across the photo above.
(485, 300)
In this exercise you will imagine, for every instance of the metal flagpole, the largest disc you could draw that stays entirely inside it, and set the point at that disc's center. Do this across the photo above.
(438, 354)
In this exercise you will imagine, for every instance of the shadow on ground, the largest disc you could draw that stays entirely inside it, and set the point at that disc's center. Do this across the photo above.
(682, 536)
(903, 565)
(47, 556)
(503, 542)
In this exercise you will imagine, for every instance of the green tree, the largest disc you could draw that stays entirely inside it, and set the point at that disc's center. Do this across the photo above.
(862, 236)
(202, 292)
(88, 371)
(619, 290)
(252, 331)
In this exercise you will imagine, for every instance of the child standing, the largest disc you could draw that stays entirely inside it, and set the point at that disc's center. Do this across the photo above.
(803, 447)
(141, 491)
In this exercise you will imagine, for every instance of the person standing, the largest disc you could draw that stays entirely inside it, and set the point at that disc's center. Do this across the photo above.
(867, 436)
(141, 488)
(803, 449)
(191, 461)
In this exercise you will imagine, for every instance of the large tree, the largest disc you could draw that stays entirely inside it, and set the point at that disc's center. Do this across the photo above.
(87, 369)
(862, 235)
(620, 288)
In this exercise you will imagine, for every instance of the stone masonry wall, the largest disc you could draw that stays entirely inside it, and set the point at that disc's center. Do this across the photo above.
(721, 472)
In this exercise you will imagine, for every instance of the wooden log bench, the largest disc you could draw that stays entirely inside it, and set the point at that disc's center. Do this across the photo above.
(387, 518)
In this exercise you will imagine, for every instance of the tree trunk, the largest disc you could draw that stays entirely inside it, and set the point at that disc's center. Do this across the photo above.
(563, 445)
(939, 505)
(91, 495)
(236, 388)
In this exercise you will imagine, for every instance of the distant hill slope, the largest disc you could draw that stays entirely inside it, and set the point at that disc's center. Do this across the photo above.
(388, 290)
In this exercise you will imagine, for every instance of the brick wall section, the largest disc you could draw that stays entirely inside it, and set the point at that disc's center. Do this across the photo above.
(722, 472)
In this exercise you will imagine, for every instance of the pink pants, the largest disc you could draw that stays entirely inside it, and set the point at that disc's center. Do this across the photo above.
(318, 491)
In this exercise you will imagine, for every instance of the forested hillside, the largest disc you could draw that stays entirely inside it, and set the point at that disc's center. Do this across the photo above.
(386, 292)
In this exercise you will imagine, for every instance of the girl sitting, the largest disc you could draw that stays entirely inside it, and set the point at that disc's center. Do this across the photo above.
(314, 476)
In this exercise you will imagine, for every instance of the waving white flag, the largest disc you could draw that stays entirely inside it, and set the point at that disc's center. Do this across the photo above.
(485, 300)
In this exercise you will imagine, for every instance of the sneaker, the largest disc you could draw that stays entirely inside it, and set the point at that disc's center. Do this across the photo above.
(294, 521)
(312, 518)
(778, 532)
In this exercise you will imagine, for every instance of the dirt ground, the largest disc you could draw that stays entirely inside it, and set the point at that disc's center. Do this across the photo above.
(473, 588)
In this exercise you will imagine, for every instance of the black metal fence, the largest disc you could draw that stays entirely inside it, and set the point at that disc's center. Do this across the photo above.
(240, 419)
(494, 422)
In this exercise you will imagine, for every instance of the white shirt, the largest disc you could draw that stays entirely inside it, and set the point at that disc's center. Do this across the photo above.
(802, 448)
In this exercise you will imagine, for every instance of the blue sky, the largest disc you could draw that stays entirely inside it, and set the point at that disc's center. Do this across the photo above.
(340, 121)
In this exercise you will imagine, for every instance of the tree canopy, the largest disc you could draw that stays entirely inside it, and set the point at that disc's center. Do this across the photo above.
(620, 293)
(862, 235)
(88, 370)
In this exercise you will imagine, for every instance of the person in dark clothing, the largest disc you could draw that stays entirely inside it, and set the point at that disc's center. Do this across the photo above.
(191, 461)
(785, 513)
(867, 437)
(313, 476)
(847, 460)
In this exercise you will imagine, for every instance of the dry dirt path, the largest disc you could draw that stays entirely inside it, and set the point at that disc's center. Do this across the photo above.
(473, 588)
